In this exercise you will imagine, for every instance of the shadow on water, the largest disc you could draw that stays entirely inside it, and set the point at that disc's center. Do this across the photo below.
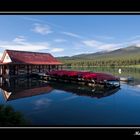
(13, 89)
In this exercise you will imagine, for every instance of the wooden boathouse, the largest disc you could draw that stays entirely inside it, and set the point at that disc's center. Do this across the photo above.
(14, 63)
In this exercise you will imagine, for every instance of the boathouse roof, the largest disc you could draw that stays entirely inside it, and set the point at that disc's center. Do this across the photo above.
(26, 57)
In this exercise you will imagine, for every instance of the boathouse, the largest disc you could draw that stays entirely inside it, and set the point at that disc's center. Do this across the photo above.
(14, 63)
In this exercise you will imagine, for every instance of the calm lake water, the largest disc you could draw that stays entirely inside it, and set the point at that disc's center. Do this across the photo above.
(63, 104)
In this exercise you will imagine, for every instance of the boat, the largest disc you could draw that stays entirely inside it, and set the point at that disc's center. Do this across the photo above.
(88, 78)
(126, 79)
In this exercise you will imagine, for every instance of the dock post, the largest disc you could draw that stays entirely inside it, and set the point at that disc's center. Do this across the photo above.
(39, 68)
(27, 69)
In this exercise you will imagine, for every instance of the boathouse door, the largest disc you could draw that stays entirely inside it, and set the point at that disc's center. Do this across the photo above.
(5, 70)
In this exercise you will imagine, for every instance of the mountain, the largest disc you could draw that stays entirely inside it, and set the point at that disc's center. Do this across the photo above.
(131, 51)
(90, 54)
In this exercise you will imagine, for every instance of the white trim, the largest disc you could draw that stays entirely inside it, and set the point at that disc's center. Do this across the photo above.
(7, 58)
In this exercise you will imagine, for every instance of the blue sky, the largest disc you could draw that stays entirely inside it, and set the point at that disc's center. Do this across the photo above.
(67, 35)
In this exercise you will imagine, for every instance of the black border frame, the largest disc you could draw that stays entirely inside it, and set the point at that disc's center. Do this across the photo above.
(115, 7)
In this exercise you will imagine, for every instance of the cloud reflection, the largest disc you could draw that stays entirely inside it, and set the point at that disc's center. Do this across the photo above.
(42, 103)
(69, 98)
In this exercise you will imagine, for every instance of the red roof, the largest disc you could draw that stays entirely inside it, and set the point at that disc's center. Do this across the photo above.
(22, 57)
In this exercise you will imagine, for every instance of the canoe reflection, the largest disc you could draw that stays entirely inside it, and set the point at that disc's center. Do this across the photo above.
(82, 90)
(26, 87)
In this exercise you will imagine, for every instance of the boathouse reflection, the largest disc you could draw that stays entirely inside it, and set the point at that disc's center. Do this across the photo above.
(23, 87)
(26, 87)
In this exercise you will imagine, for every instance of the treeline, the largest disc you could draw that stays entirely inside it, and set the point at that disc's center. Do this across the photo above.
(102, 62)
(128, 56)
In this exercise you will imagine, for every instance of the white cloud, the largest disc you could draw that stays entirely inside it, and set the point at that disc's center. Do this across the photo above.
(60, 40)
(57, 50)
(19, 39)
(21, 44)
(42, 21)
(71, 34)
(82, 52)
(109, 47)
(101, 46)
(92, 43)
(135, 42)
(104, 46)
(138, 45)
(32, 19)
(42, 29)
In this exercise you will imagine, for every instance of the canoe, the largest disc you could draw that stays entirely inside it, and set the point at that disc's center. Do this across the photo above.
(126, 78)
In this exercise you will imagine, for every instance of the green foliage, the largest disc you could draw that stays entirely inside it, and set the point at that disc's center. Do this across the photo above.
(101, 62)
(9, 117)
(122, 57)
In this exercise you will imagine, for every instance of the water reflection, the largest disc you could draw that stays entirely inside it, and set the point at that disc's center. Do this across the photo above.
(81, 90)
(26, 87)
(23, 87)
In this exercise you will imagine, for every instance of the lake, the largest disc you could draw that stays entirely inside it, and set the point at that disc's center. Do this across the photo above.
(45, 103)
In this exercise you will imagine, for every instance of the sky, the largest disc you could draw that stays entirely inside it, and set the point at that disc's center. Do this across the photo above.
(68, 35)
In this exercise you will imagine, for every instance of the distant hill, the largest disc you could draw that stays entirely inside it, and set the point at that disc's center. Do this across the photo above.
(120, 57)
(131, 51)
